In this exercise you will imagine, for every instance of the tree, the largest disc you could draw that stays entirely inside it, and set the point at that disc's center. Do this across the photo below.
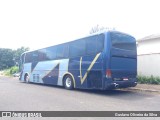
(6, 58)
(18, 52)
(98, 28)
(9, 57)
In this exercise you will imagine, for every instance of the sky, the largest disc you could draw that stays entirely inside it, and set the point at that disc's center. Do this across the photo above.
(41, 23)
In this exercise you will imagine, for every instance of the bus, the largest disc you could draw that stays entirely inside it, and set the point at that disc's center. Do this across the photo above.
(106, 60)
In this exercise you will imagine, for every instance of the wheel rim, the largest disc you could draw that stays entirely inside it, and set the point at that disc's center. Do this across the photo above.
(68, 82)
(27, 78)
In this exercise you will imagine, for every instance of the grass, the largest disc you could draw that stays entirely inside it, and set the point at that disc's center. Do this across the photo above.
(11, 71)
(148, 79)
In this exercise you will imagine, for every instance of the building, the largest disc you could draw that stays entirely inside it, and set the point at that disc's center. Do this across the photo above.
(148, 50)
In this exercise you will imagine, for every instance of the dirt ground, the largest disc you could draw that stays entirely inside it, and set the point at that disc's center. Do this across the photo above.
(147, 87)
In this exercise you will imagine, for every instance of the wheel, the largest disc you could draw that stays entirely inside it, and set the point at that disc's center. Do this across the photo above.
(26, 78)
(68, 82)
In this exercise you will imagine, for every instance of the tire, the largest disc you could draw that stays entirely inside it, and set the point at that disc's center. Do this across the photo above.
(68, 82)
(26, 78)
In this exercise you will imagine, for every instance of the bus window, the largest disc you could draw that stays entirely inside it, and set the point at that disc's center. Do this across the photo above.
(77, 48)
(22, 58)
(100, 43)
(123, 41)
(62, 51)
(41, 55)
(21, 62)
(91, 45)
(95, 44)
(35, 56)
(28, 58)
(51, 53)
(66, 50)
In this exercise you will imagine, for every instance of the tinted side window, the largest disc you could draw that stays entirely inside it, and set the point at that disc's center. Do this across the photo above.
(66, 50)
(41, 55)
(123, 41)
(77, 48)
(100, 43)
(94, 44)
(91, 44)
(28, 57)
(22, 58)
(35, 56)
(51, 53)
(62, 51)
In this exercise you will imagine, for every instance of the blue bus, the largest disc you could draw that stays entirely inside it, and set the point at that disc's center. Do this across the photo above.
(106, 60)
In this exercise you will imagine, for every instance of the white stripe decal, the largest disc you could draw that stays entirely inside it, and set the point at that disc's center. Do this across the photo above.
(63, 68)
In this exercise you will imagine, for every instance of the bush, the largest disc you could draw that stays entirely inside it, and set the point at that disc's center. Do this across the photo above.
(11, 70)
(148, 80)
(14, 70)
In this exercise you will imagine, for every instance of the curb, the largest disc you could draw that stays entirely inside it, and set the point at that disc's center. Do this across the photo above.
(145, 90)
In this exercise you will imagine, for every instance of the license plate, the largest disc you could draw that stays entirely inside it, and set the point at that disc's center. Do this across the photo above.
(125, 79)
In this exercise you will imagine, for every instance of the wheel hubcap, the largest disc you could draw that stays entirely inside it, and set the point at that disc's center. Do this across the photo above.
(27, 79)
(68, 82)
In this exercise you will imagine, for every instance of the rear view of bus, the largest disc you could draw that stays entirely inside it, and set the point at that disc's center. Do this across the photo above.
(121, 70)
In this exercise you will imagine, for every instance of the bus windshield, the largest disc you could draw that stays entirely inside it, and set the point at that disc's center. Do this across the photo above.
(123, 41)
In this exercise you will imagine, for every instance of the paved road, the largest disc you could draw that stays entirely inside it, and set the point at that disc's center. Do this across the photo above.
(15, 95)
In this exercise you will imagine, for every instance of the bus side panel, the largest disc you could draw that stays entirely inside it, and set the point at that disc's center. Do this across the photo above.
(73, 68)
(50, 72)
(51, 76)
(63, 69)
(43, 72)
(87, 71)
(95, 75)
(26, 69)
